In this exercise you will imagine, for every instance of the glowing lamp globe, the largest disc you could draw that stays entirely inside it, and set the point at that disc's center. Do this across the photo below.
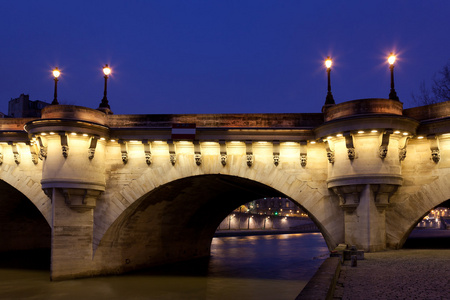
(391, 59)
(328, 62)
(106, 70)
(56, 73)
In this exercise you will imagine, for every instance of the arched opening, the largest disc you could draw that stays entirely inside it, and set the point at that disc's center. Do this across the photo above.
(432, 231)
(24, 232)
(175, 222)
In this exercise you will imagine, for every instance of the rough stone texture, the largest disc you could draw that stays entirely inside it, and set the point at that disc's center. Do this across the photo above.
(401, 274)
(71, 240)
(25, 178)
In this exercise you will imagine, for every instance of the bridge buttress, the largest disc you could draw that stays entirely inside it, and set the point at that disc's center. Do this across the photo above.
(72, 235)
(73, 177)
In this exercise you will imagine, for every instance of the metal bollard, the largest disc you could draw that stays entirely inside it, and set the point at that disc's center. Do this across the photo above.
(354, 261)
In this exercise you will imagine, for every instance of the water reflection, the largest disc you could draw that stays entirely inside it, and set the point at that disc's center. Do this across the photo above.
(254, 267)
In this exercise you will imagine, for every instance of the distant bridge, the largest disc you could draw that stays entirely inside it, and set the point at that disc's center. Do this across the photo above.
(115, 193)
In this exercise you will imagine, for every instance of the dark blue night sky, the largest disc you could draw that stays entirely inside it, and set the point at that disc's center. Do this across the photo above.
(219, 56)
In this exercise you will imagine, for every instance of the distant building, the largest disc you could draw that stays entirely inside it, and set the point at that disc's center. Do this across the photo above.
(22, 107)
(276, 206)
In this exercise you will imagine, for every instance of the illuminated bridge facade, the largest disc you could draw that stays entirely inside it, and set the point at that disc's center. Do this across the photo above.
(115, 193)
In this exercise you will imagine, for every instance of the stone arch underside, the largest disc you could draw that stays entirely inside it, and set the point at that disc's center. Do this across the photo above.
(22, 226)
(28, 183)
(408, 209)
(176, 221)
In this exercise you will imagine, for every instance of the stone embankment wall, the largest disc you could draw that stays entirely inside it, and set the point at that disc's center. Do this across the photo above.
(245, 221)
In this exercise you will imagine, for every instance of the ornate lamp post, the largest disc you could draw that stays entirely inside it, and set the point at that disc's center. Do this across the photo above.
(391, 61)
(329, 100)
(56, 74)
(104, 104)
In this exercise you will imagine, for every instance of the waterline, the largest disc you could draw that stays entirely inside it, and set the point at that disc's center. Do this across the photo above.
(253, 267)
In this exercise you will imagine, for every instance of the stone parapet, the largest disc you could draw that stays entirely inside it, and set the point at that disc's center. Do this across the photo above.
(363, 107)
(73, 112)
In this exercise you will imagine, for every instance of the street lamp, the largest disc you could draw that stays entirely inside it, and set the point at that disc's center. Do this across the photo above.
(329, 100)
(56, 74)
(391, 61)
(104, 104)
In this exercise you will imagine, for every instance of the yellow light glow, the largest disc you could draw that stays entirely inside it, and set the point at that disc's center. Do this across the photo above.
(52, 133)
(158, 142)
(85, 134)
(43, 133)
(374, 131)
(73, 133)
(361, 131)
(420, 137)
(339, 135)
(262, 142)
(405, 133)
(112, 140)
(329, 137)
(391, 59)
(134, 141)
(102, 139)
(56, 73)
(312, 142)
(106, 70)
(328, 62)
(235, 142)
(397, 131)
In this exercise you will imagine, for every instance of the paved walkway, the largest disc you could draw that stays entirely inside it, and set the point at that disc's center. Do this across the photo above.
(397, 274)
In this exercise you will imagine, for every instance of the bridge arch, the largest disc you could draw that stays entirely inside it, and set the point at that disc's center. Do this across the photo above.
(408, 209)
(28, 183)
(173, 212)
(22, 225)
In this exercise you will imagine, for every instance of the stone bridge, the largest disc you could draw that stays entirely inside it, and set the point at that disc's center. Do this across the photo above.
(114, 193)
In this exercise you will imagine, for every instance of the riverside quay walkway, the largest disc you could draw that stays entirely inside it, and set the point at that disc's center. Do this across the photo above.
(401, 274)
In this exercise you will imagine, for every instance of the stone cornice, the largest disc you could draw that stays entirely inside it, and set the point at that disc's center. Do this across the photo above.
(66, 125)
(73, 184)
(365, 179)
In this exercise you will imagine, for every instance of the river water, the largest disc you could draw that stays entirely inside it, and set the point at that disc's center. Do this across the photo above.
(247, 267)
